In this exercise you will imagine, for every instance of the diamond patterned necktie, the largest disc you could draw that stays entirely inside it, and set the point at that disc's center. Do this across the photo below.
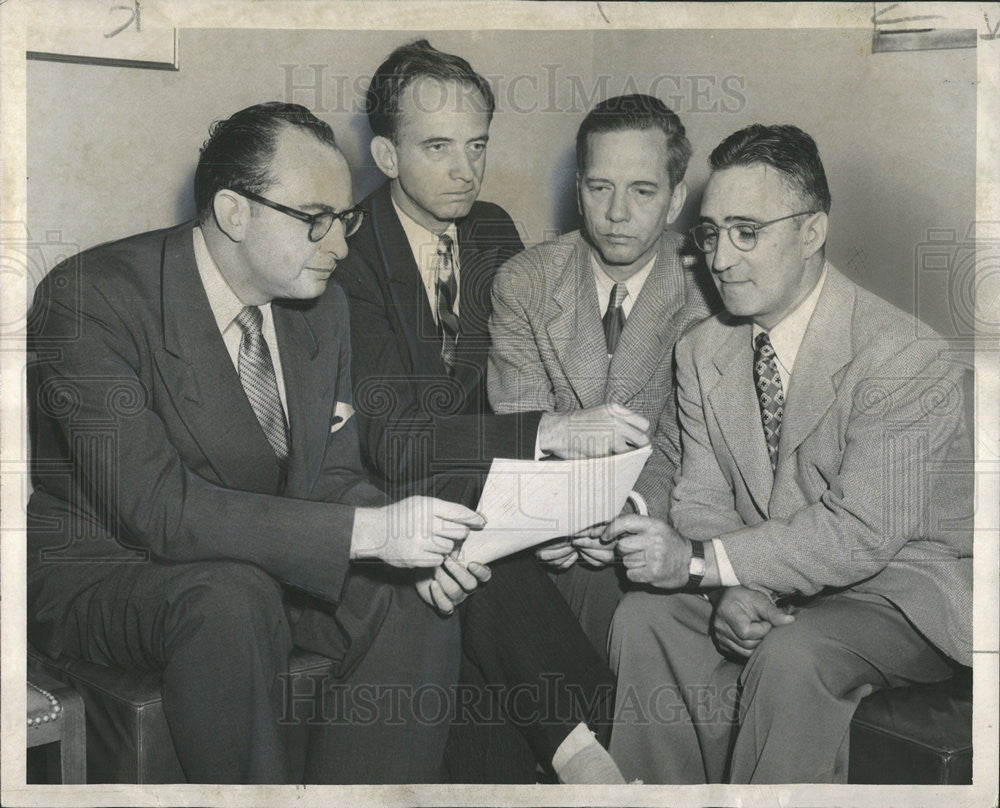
(446, 292)
(614, 317)
(770, 393)
(257, 376)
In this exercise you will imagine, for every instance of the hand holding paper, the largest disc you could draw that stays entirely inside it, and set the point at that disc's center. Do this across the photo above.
(528, 502)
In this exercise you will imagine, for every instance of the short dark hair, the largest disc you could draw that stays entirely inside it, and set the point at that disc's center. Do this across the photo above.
(404, 65)
(783, 147)
(239, 150)
(637, 111)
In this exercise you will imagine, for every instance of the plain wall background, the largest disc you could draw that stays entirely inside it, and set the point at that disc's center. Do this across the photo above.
(111, 150)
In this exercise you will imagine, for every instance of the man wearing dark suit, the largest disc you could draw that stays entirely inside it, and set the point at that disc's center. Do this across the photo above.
(838, 528)
(592, 317)
(418, 283)
(196, 465)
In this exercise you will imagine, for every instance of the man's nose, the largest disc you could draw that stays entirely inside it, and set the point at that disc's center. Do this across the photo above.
(335, 241)
(725, 254)
(618, 207)
(461, 167)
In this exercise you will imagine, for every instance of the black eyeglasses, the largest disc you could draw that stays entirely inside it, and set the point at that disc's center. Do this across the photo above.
(319, 223)
(743, 235)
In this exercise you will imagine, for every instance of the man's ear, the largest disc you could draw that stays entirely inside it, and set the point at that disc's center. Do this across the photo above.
(677, 199)
(813, 234)
(232, 213)
(384, 154)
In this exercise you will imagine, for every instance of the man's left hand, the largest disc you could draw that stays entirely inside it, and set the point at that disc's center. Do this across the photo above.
(451, 583)
(652, 552)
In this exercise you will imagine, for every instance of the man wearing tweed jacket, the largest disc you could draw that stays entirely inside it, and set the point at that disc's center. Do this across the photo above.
(592, 317)
(834, 523)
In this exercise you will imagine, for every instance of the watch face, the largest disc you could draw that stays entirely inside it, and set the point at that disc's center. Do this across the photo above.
(697, 567)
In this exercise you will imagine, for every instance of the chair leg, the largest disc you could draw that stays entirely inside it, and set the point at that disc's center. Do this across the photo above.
(73, 748)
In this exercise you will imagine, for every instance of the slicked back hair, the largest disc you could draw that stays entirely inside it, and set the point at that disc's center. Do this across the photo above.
(785, 148)
(240, 149)
(418, 60)
(637, 111)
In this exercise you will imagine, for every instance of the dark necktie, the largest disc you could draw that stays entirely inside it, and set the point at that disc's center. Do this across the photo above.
(446, 291)
(257, 376)
(770, 393)
(614, 317)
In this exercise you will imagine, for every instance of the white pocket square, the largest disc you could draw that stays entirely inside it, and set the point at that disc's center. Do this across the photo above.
(341, 415)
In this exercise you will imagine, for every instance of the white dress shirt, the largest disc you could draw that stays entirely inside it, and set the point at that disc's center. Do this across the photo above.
(786, 339)
(424, 246)
(606, 284)
(226, 305)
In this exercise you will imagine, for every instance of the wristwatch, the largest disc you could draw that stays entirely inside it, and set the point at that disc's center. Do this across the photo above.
(697, 567)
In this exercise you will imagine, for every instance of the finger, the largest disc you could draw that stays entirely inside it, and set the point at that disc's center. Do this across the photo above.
(597, 558)
(481, 571)
(451, 588)
(551, 554)
(638, 574)
(441, 600)
(755, 631)
(424, 591)
(625, 415)
(461, 575)
(778, 616)
(453, 512)
(589, 542)
(455, 531)
(628, 437)
(569, 562)
(441, 545)
(733, 648)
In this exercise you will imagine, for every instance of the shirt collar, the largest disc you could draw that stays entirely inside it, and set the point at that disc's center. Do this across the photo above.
(222, 299)
(423, 242)
(786, 337)
(605, 284)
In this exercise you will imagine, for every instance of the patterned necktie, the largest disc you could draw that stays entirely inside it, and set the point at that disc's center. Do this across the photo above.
(446, 287)
(614, 317)
(258, 379)
(770, 394)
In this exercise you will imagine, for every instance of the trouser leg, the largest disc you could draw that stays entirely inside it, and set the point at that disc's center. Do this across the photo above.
(676, 697)
(387, 720)
(521, 636)
(593, 595)
(218, 633)
(801, 686)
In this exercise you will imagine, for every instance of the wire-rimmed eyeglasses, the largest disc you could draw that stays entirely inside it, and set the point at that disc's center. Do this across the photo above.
(319, 223)
(743, 235)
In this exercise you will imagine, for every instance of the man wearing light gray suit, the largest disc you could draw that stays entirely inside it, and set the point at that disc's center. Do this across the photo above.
(835, 525)
(592, 317)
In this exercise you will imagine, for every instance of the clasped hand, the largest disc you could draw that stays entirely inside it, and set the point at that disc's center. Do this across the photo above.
(742, 618)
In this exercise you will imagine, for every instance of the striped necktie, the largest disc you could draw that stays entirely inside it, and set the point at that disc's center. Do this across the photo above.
(770, 394)
(614, 317)
(257, 376)
(446, 288)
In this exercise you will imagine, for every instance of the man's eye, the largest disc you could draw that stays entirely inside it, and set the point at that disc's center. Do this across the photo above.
(745, 233)
(436, 147)
(477, 148)
(645, 193)
(598, 189)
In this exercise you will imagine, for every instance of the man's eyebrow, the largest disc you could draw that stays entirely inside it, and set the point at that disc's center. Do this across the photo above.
(320, 207)
(428, 141)
(732, 219)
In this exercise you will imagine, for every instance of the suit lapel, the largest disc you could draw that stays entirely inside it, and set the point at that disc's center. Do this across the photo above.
(576, 332)
(825, 349)
(649, 330)
(405, 285)
(733, 400)
(310, 394)
(199, 374)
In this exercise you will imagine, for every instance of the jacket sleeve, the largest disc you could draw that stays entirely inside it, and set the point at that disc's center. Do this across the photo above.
(516, 377)
(108, 462)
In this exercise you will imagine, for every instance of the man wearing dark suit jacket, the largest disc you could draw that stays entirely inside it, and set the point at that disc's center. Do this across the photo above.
(839, 527)
(418, 283)
(592, 317)
(196, 461)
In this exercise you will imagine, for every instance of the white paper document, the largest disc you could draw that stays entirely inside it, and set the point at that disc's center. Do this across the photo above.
(527, 502)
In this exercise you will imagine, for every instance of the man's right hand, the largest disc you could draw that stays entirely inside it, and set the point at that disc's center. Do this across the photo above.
(558, 554)
(599, 431)
(742, 619)
(414, 532)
